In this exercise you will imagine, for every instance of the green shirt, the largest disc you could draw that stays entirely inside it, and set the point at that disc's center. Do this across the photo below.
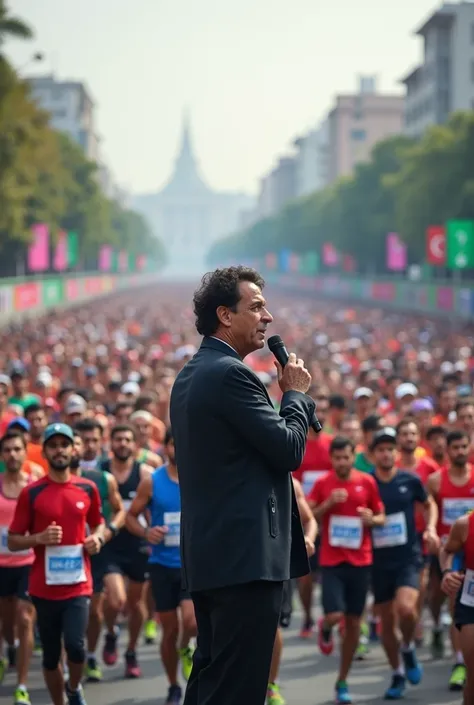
(362, 464)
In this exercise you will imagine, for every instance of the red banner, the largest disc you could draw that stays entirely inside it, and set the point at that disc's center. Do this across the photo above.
(93, 285)
(436, 245)
(72, 289)
(26, 296)
(383, 291)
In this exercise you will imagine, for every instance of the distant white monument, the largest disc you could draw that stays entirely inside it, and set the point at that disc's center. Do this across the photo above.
(187, 214)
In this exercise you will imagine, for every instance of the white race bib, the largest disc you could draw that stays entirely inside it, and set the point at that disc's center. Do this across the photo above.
(127, 503)
(4, 550)
(453, 509)
(467, 595)
(310, 477)
(394, 533)
(64, 565)
(345, 532)
(173, 521)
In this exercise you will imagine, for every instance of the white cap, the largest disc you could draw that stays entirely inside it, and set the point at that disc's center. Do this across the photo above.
(44, 378)
(362, 392)
(446, 367)
(130, 388)
(75, 405)
(5, 380)
(460, 366)
(143, 415)
(407, 389)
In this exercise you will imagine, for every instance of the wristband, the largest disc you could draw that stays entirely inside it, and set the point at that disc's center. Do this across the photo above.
(448, 570)
(113, 529)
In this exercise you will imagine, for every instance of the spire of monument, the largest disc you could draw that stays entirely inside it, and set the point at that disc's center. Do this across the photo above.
(186, 175)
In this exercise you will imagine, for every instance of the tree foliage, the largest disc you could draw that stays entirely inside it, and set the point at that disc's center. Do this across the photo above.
(406, 186)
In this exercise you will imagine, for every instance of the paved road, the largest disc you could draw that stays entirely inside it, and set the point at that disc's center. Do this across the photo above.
(307, 678)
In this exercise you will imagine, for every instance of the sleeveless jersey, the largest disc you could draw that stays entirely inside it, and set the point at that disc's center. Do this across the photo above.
(125, 542)
(466, 596)
(453, 501)
(99, 478)
(165, 509)
(10, 559)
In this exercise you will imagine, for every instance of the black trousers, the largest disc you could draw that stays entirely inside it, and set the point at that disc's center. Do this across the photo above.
(236, 633)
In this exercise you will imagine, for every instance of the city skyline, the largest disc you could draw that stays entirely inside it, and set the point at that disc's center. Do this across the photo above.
(164, 58)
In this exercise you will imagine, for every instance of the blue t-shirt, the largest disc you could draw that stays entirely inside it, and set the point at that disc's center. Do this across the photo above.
(397, 543)
(165, 510)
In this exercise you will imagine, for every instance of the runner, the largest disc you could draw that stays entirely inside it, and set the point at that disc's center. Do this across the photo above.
(453, 489)
(92, 435)
(114, 517)
(347, 503)
(458, 583)
(397, 560)
(160, 494)
(125, 555)
(51, 517)
(16, 610)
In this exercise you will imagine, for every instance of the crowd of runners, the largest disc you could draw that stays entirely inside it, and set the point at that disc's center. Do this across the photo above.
(90, 502)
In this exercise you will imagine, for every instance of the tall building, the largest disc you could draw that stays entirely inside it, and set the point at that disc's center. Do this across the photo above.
(187, 214)
(71, 108)
(444, 81)
(312, 160)
(356, 123)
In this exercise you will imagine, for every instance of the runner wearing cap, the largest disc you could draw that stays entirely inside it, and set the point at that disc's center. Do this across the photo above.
(397, 559)
(75, 409)
(347, 504)
(364, 402)
(363, 459)
(51, 517)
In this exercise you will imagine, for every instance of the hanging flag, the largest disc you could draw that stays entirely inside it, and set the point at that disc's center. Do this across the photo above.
(105, 258)
(396, 253)
(123, 261)
(72, 249)
(294, 262)
(330, 255)
(460, 244)
(271, 260)
(61, 253)
(38, 250)
(348, 263)
(140, 263)
(436, 245)
(284, 261)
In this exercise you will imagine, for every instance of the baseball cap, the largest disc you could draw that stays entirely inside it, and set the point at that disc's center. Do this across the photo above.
(58, 429)
(21, 422)
(406, 389)
(362, 392)
(75, 405)
(130, 388)
(5, 380)
(421, 405)
(384, 435)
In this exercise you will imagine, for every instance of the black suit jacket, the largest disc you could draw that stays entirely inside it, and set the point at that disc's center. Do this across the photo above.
(234, 452)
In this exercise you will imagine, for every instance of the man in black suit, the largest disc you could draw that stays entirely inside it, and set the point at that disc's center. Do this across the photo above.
(241, 534)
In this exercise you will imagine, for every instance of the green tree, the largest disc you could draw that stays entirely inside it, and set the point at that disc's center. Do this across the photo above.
(12, 27)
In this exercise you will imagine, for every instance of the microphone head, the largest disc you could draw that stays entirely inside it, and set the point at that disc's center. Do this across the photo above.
(275, 342)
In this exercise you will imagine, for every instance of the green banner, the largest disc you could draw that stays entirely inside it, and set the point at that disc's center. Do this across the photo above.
(460, 244)
(309, 263)
(52, 292)
(72, 249)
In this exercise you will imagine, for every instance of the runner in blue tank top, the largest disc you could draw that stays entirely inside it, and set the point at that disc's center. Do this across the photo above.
(160, 494)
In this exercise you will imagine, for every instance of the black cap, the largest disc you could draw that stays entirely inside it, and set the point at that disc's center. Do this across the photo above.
(384, 435)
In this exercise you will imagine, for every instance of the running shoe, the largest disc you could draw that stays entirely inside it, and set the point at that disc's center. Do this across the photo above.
(458, 677)
(93, 670)
(109, 653)
(132, 669)
(343, 696)
(75, 697)
(413, 670)
(150, 631)
(21, 697)
(437, 644)
(325, 640)
(307, 629)
(174, 695)
(396, 691)
(363, 646)
(274, 697)
(186, 656)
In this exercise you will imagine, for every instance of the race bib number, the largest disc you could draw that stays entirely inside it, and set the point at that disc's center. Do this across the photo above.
(64, 565)
(394, 533)
(453, 509)
(127, 503)
(467, 595)
(345, 532)
(310, 477)
(4, 550)
(173, 521)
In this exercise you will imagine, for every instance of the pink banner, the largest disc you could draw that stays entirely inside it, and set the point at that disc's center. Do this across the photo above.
(396, 253)
(105, 258)
(141, 262)
(444, 298)
(27, 296)
(72, 289)
(93, 285)
(294, 262)
(38, 251)
(123, 261)
(383, 291)
(330, 255)
(60, 253)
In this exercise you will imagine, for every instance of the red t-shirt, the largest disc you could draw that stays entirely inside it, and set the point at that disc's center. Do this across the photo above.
(344, 539)
(59, 572)
(316, 460)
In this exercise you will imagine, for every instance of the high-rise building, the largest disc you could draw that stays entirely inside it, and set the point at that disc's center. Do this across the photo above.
(355, 125)
(71, 108)
(311, 160)
(187, 214)
(444, 81)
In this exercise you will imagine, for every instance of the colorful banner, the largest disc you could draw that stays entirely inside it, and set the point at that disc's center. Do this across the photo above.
(396, 253)
(73, 289)
(330, 255)
(38, 250)
(122, 261)
(60, 259)
(436, 245)
(383, 291)
(52, 292)
(444, 298)
(140, 263)
(27, 296)
(105, 258)
(72, 249)
(460, 244)
(6, 299)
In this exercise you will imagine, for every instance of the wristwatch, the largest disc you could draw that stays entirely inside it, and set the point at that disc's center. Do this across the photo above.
(113, 529)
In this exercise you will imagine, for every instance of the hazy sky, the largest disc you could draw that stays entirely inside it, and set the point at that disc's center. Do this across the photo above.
(254, 73)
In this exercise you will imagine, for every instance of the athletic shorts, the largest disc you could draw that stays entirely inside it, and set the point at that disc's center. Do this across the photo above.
(345, 588)
(314, 560)
(133, 566)
(386, 581)
(14, 581)
(463, 615)
(98, 565)
(167, 587)
(425, 558)
(435, 566)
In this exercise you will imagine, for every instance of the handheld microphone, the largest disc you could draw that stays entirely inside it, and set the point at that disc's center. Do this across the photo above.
(277, 347)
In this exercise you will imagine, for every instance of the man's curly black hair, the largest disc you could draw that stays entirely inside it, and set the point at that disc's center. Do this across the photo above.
(220, 288)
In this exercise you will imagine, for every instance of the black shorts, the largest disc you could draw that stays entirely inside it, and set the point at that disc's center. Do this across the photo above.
(133, 566)
(14, 581)
(167, 587)
(345, 588)
(98, 564)
(435, 567)
(463, 614)
(386, 581)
